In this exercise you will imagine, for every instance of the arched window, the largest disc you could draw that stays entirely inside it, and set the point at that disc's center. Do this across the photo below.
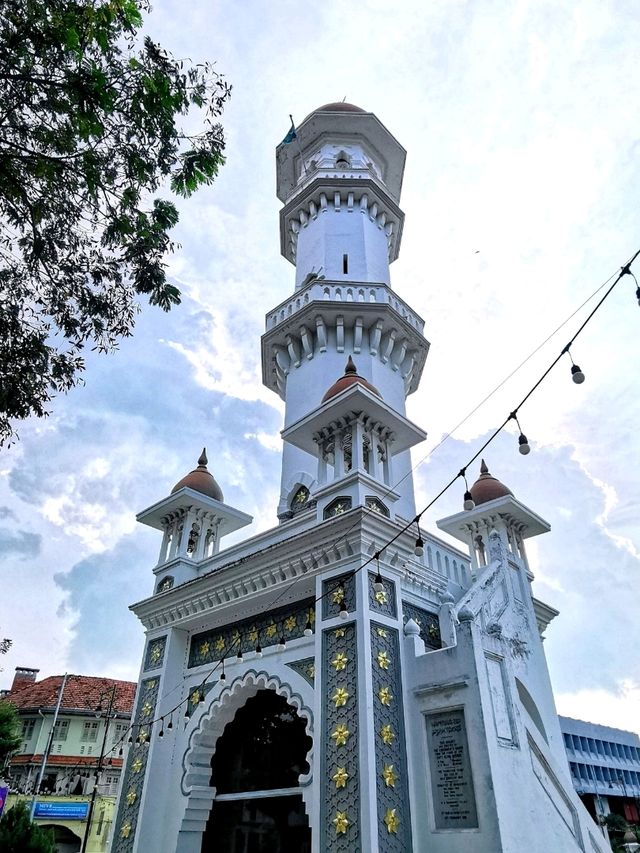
(262, 750)
(300, 499)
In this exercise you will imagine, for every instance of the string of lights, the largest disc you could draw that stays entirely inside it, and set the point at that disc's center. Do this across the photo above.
(196, 695)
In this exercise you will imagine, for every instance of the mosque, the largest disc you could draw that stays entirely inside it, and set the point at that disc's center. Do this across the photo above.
(345, 681)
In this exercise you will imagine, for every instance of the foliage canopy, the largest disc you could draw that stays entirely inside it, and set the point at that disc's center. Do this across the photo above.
(10, 730)
(19, 834)
(94, 120)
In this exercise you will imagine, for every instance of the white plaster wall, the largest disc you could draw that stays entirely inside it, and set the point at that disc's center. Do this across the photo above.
(323, 241)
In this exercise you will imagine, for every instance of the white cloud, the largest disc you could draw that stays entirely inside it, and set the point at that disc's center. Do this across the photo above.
(620, 709)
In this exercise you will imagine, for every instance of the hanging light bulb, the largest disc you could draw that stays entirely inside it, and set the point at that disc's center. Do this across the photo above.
(523, 444)
(130, 738)
(469, 502)
(258, 650)
(239, 656)
(187, 715)
(638, 294)
(170, 723)
(418, 549)
(344, 613)
(308, 628)
(281, 643)
(120, 753)
(576, 374)
(201, 697)
(161, 732)
(223, 676)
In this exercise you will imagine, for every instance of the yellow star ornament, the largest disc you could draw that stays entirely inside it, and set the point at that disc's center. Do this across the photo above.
(382, 632)
(137, 765)
(340, 632)
(340, 734)
(219, 644)
(271, 630)
(340, 777)
(341, 822)
(339, 662)
(146, 709)
(387, 734)
(389, 776)
(338, 595)
(125, 832)
(385, 695)
(131, 797)
(253, 635)
(392, 821)
(340, 697)
(290, 623)
(383, 660)
(381, 597)
(204, 649)
(155, 656)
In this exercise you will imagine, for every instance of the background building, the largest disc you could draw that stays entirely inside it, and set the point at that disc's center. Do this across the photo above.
(605, 767)
(70, 773)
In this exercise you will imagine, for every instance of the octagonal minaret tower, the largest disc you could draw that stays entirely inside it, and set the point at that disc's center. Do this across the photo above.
(340, 182)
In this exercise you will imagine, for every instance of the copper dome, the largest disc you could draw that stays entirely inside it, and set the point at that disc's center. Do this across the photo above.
(350, 378)
(487, 488)
(201, 480)
(339, 107)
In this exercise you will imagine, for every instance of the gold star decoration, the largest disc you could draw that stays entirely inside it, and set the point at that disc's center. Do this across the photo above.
(150, 685)
(340, 777)
(392, 821)
(147, 708)
(340, 697)
(337, 596)
(311, 670)
(125, 832)
(312, 616)
(195, 697)
(290, 623)
(235, 638)
(381, 596)
(433, 630)
(253, 635)
(381, 632)
(341, 822)
(340, 632)
(339, 662)
(204, 648)
(131, 797)
(385, 695)
(386, 733)
(340, 734)
(389, 776)
(156, 651)
(219, 644)
(137, 765)
(383, 660)
(271, 630)
(143, 735)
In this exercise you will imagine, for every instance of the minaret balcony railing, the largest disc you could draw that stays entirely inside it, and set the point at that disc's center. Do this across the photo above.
(358, 292)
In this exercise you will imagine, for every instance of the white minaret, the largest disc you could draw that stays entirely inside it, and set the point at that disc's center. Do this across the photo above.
(340, 182)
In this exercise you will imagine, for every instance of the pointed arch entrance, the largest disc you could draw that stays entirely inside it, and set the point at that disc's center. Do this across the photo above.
(255, 770)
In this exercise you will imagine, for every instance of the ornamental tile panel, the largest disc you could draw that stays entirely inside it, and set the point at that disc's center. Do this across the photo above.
(306, 668)
(154, 657)
(335, 590)
(384, 601)
(133, 783)
(266, 629)
(392, 791)
(340, 782)
(429, 624)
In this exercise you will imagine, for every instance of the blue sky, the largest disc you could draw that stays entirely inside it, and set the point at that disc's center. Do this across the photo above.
(520, 192)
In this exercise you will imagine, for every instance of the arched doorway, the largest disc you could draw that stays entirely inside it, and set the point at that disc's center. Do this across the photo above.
(255, 770)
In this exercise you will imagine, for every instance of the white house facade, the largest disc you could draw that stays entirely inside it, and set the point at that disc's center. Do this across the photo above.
(350, 683)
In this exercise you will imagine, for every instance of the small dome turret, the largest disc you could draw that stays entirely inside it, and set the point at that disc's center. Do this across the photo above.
(487, 488)
(201, 480)
(350, 378)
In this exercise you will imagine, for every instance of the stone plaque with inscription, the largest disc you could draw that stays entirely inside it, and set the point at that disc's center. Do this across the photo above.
(454, 801)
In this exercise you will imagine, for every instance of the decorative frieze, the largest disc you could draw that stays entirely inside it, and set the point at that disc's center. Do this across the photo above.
(394, 819)
(384, 600)
(265, 630)
(134, 774)
(339, 776)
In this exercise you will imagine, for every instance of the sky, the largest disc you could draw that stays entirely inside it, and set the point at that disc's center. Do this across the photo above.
(520, 121)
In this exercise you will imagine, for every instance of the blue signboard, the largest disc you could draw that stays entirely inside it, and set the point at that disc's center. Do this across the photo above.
(62, 811)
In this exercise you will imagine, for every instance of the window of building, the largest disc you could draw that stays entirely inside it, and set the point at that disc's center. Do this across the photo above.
(90, 731)
(61, 730)
(300, 499)
(27, 729)
(337, 507)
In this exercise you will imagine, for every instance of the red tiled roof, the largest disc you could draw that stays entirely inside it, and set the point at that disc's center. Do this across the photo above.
(81, 693)
(64, 760)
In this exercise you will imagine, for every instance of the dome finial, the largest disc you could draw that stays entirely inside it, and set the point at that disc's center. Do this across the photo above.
(351, 367)
(483, 467)
(202, 461)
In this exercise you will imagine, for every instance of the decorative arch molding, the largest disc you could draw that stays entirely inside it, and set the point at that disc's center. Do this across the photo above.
(196, 762)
